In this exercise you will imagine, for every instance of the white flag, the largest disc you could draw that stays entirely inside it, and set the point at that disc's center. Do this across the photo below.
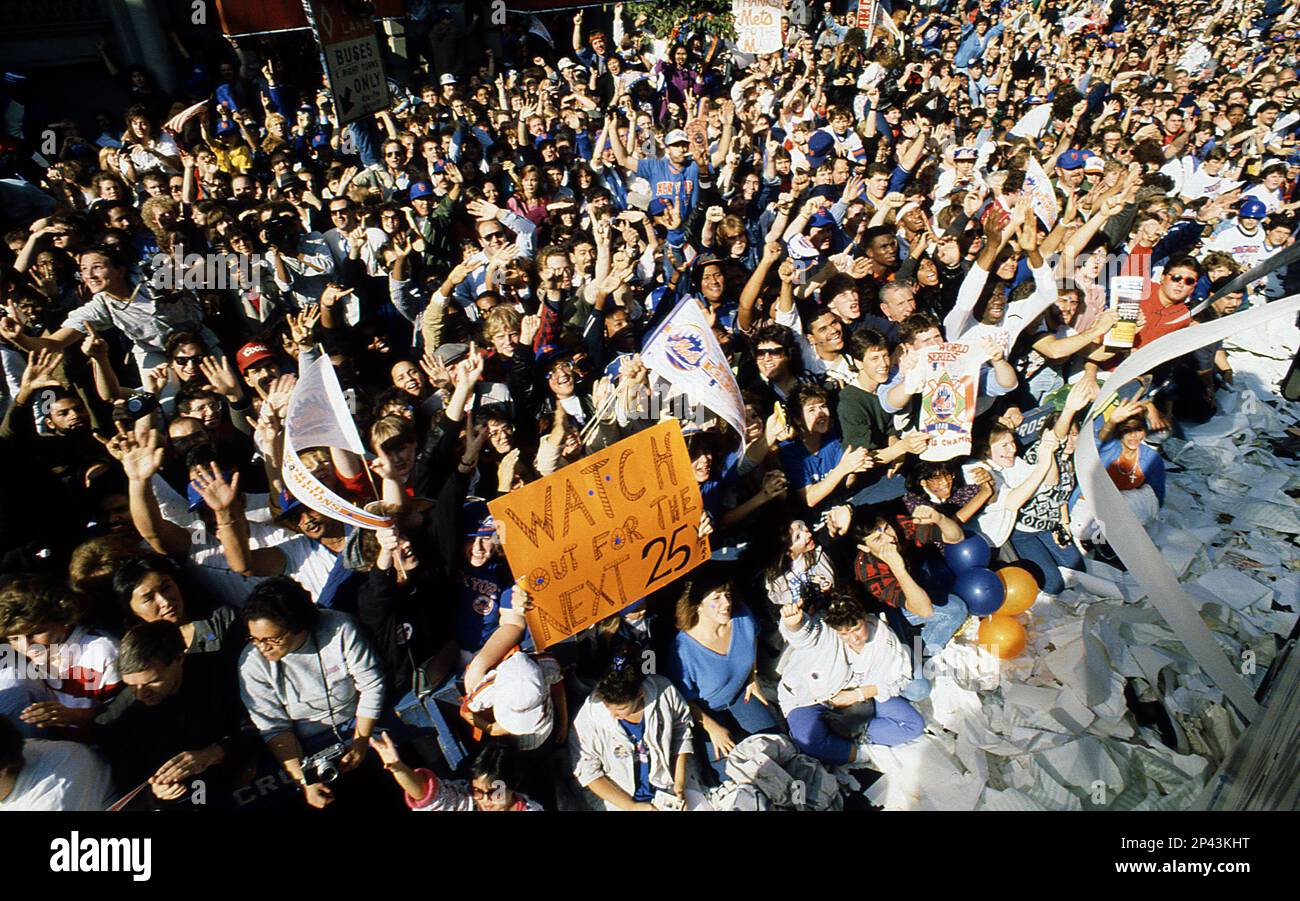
(177, 122)
(684, 352)
(1040, 188)
(1032, 123)
(1071, 24)
(536, 27)
(318, 417)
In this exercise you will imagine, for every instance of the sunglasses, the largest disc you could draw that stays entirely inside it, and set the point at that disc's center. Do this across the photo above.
(1182, 279)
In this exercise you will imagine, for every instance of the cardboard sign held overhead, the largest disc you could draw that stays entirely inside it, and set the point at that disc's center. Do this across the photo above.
(350, 53)
(758, 25)
(604, 532)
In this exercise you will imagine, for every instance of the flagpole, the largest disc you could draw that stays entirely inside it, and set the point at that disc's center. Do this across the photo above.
(595, 417)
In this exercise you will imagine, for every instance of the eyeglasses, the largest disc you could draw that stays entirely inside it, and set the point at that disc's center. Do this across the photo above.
(1182, 279)
(186, 362)
(770, 352)
(494, 236)
(275, 641)
(340, 212)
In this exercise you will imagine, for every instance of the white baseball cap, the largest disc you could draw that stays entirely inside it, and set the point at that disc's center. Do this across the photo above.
(519, 701)
(447, 79)
(676, 136)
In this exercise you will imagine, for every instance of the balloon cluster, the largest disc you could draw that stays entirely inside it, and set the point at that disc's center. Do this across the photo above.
(999, 596)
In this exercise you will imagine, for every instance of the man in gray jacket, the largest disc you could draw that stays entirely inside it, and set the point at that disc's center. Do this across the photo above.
(310, 681)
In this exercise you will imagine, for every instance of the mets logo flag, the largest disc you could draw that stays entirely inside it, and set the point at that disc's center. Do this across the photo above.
(684, 352)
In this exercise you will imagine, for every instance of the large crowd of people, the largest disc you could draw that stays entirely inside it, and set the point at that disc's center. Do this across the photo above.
(482, 263)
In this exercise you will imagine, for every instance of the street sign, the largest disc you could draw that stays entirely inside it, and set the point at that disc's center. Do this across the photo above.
(350, 53)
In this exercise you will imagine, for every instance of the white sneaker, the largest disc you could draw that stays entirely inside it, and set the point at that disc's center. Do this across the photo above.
(865, 758)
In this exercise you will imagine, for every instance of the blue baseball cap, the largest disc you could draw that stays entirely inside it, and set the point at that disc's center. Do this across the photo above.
(822, 219)
(289, 505)
(475, 519)
(657, 206)
(421, 189)
(819, 148)
(1252, 208)
(1071, 160)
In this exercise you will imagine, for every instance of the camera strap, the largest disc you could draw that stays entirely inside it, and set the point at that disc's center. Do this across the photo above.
(329, 702)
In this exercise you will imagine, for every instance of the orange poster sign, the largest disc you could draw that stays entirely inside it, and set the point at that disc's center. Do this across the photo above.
(604, 532)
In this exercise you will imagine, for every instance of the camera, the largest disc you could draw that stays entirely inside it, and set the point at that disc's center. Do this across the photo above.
(282, 233)
(322, 767)
(136, 405)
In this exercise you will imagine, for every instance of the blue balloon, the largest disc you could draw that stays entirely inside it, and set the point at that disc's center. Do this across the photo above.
(981, 589)
(972, 553)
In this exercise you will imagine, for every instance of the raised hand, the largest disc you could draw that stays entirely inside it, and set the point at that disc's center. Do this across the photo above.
(775, 485)
(386, 748)
(221, 375)
(280, 393)
(528, 328)
(332, 294)
(94, 346)
(302, 327)
(482, 210)
(436, 370)
(141, 456)
(916, 442)
(212, 486)
(40, 370)
(857, 459)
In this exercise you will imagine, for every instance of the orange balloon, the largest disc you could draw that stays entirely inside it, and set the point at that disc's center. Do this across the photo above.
(1003, 636)
(1022, 590)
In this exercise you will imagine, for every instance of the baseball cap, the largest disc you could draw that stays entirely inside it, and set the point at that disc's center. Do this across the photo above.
(822, 219)
(475, 519)
(657, 206)
(289, 505)
(819, 148)
(451, 352)
(519, 696)
(1071, 160)
(964, 153)
(251, 354)
(565, 63)
(1252, 208)
(420, 189)
(1094, 163)
(676, 136)
(448, 78)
